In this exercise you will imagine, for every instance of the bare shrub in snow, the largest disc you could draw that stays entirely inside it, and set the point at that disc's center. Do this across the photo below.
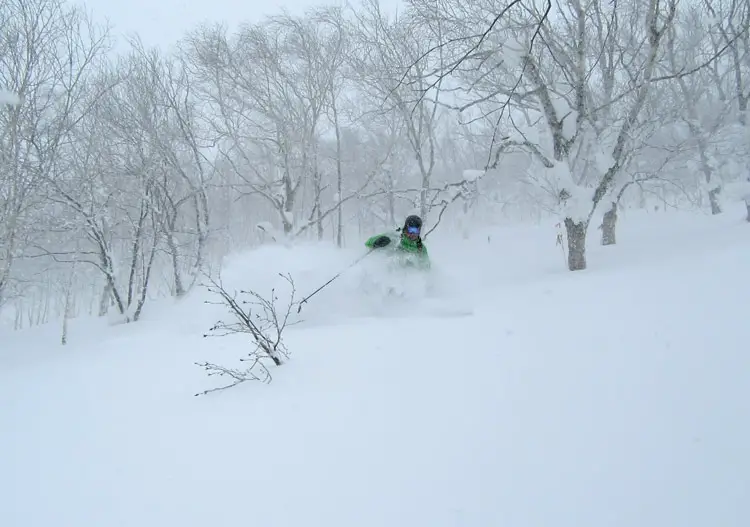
(260, 317)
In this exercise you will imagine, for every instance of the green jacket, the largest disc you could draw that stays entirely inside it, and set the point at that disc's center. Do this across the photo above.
(406, 251)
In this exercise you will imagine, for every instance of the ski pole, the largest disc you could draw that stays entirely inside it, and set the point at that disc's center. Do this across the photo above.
(355, 262)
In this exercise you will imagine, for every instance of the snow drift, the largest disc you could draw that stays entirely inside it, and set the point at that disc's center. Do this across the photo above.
(616, 396)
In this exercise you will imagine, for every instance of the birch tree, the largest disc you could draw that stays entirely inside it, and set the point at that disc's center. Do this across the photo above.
(335, 47)
(269, 85)
(543, 60)
(684, 54)
(315, 45)
(386, 64)
(108, 186)
(173, 129)
(243, 81)
(732, 19)
(47, 51)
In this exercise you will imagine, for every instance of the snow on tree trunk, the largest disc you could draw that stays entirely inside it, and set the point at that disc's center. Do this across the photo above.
(609, 221)
(576, 232)
(179, 288)
(609, 224)
(391, 196)
(144, 284)
(105, 299)
(287, 219)
(68, 308)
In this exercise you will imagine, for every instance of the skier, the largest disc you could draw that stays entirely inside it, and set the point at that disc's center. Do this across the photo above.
(408, 248)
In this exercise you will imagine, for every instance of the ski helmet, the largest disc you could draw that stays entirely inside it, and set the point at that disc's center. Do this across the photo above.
(413, 221)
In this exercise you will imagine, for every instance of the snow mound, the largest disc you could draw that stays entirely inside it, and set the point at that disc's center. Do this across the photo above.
(341, 284)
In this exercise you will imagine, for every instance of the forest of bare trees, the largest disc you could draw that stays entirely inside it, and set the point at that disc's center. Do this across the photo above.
(125, 176)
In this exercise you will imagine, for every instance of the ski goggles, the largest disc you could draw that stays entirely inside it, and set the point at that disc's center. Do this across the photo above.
(412, 230)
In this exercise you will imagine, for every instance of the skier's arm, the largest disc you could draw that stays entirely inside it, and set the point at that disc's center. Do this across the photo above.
(377, 241)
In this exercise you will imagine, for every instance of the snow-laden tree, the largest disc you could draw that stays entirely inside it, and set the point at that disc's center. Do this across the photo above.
(730, 23)
(173, 127)
(698, 106)
(133, 186)
(108, 188)
(567, 83)
(732, 32)
(125, 178)
(270, 86)
(389, 61)
(253, 111)
(48, 50)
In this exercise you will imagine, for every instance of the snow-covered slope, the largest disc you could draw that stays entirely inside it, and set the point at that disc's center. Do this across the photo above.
(617, 396)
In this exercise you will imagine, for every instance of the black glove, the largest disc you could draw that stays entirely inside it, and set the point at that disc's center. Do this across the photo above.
(381, 242)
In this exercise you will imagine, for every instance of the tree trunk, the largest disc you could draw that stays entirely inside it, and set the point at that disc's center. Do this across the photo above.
(66, 315)
(136, 250)
(319, 204)
(68, 309)
(43, 313)
(747, 206)
(105, 299)
(179, 288)
(340, 216)
(391, 200)
(714, 200)
(287, 209)
(202, 224)
(423, 205)
(576, 232)
(9, 254)
(339, 173)
(144, 285)
(18, 322)
(609, 224)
